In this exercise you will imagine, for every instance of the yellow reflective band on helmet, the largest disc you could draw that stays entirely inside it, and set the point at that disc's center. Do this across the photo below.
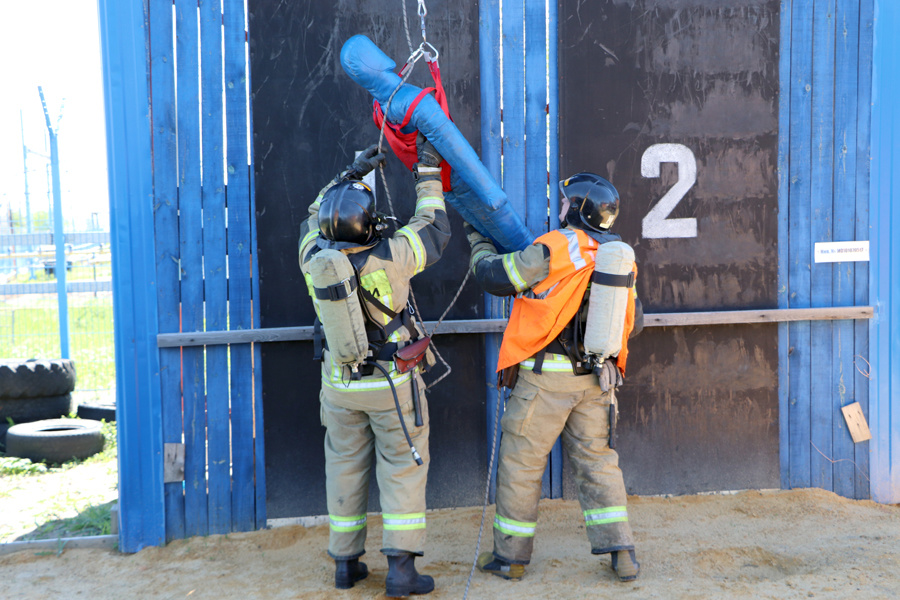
(430, 202)
(416, 243)
(556, 363)
(511, 527)
(509, 265)
(356, 523)
(601, 516)
(403, 522)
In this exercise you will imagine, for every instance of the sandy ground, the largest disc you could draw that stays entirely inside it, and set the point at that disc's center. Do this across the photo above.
(793, 544)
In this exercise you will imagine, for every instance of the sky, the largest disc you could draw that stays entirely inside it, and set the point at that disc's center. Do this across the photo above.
(54, 44)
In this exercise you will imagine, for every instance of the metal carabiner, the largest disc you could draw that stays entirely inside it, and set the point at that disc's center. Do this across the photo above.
(423, 12)
(411, 61)
(430, 56)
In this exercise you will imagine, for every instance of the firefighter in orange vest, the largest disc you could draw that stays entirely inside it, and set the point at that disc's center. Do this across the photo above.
(555, 391)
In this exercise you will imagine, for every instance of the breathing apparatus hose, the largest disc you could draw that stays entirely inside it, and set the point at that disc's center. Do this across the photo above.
(387, 376)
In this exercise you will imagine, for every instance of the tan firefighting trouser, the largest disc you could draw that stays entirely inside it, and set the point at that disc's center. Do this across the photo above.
(540, 408)
(360, 425)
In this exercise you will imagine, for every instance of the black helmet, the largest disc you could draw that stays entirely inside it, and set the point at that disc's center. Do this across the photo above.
(347, 215)
(593, 201)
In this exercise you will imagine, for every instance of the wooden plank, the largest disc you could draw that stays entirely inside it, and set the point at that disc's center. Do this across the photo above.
(124, 38)
(514, 104)
(861, 275)
(734, 317)
(553, 108)
(784, 132)
(845, 111)
(856, 423)
(536, 118)
(800, 242)
(191, 257)
(536, 175)
(239, 265)
(822, 397)
(215, 271)
(165, 202)
(474, 326)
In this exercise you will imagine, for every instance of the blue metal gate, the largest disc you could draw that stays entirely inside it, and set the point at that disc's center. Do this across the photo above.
(190, 427)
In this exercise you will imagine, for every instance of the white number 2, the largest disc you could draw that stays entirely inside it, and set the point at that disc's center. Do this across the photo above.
(656, 224)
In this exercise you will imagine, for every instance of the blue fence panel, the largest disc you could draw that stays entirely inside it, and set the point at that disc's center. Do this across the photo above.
(187, 41)
(861, 276)
(239, 253)
(215, 280)
(165, 189)
(128, 134)
(824, 194)
(845, 124)
(821, 211)
(491, 156)
(799, 244)
(885, 247)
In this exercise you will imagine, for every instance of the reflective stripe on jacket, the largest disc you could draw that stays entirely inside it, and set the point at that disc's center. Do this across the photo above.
(538, 317)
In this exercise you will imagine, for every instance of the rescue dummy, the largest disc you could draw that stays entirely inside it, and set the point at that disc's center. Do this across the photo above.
(563, 355)
(372, 396)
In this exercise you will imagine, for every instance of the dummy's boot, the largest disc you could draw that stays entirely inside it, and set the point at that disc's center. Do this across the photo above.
(625, 565)
(348, 572)
(403, 579)
(488, 563)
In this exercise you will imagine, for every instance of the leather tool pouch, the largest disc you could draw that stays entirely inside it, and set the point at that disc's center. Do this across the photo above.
(407, 357)
(508, 377)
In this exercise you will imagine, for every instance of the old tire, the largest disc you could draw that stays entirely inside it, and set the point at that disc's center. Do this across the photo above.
(36, 378)
(97, 411)
(54, 440)
(26, 410)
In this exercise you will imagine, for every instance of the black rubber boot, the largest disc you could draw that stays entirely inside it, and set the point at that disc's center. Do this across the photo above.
(625, 565)
(348, 572)
(403, 579)
(488, 563)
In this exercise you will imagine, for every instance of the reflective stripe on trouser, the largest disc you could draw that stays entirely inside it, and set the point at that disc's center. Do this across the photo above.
(352, 437)
(540, 408)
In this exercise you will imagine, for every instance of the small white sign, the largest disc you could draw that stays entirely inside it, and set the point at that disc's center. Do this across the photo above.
(826, 252)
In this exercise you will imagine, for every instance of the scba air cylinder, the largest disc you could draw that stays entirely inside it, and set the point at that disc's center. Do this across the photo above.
(335, 285)
(608, 301)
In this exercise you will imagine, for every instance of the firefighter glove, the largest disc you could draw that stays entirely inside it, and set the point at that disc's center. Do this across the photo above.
(427, 154)
(472, 235)
(364, 164)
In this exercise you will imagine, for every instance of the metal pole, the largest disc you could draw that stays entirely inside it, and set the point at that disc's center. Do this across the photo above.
(58, 239)
(25, 166)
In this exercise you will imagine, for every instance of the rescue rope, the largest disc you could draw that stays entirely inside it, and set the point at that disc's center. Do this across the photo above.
(405, 72)
(487, 490)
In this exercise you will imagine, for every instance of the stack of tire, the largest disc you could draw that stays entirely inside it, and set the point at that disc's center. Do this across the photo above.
(34, 395)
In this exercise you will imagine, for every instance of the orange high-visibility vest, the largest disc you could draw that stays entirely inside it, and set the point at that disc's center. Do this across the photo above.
(535, 322)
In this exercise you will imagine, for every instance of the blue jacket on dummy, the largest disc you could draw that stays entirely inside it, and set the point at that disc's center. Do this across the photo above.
(475, 194)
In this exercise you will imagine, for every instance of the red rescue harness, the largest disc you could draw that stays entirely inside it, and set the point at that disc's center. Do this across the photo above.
(404, 144)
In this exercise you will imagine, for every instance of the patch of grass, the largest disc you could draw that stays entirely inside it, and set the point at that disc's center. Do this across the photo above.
(92, 520)
(13, 465)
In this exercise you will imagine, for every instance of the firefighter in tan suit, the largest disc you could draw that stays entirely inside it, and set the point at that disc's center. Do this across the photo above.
(554, 392)
(358, 408)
